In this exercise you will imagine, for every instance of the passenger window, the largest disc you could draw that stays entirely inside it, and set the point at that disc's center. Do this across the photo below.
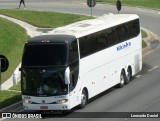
(122, 32)
(112, 36)
(73, 52)
(109, 37)
(136, 27)
(73, 64)
(115, 35)
(83, 44)
(101, 41)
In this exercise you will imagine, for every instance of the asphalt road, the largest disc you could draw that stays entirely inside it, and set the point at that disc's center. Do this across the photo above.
(140, 95)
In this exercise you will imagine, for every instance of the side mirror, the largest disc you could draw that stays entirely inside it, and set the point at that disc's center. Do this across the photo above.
(4, 63)
(20, 69)
(67, 76)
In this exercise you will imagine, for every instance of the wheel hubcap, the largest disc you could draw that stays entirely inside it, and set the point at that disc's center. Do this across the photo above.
(128, 76)
(83, 99)
(122, 79)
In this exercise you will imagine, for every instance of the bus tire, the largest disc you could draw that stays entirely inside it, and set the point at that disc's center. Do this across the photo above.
(84, 99)
(122, 79)
(128, 75)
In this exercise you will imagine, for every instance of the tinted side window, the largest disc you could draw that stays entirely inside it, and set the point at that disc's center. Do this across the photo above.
(73, 64)
(122, 32)
(88, 45)
(73, 52)
(109, 37)
(92, 43)
(115, 35)
(136, 27)
(129, 26)
(128, 30)
(101, 41)
(112, 36)
(133, 28)
(84, 45)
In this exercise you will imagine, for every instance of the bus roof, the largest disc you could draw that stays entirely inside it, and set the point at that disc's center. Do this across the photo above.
(52, 39)
(85, 27)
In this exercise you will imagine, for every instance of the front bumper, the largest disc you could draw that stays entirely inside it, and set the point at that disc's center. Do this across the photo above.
(46, 106)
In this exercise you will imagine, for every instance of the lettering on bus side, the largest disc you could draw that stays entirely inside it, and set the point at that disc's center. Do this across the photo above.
(123, 46)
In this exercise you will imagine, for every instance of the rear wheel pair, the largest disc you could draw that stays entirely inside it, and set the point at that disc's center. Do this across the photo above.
(125, 78)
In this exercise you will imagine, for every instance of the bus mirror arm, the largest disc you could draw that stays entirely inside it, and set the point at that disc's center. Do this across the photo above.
(67, 76)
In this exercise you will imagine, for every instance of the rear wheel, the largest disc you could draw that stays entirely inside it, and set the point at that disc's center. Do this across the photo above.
(128, 75)
(122, 79)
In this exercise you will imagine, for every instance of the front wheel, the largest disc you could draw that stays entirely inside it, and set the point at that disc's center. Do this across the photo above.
(84, 99)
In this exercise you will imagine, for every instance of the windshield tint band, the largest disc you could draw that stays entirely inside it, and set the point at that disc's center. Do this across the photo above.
(44, 55)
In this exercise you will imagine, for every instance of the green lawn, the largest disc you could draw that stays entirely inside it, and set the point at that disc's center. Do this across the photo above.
(144, 3)
(144, 34)
(8, 97)
(44, 18)
(12, 39)
(16, 87)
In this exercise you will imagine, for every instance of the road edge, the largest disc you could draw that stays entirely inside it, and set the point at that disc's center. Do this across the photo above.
(148, 40)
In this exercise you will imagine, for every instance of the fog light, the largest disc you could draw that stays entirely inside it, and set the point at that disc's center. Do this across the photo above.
(27, 101)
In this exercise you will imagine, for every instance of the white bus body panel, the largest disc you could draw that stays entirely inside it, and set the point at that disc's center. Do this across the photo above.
(101, 70)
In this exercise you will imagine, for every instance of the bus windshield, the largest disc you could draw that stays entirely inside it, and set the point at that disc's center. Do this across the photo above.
(44, 55)
(43, 82)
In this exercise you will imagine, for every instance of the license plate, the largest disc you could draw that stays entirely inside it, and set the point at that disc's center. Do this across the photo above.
(44, 107)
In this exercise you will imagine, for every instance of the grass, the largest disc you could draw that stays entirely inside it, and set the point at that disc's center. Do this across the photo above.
(12, 39)
(16, 87)
(144, 3)
(8, 98)
(144, 34)
(44, 18)
(144, 44)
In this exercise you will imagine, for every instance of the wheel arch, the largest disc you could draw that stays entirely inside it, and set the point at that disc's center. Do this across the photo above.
(85, 88)
(129, 67)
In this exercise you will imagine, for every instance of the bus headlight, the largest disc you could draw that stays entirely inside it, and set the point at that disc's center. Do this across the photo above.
(62, 101)
(27, 101)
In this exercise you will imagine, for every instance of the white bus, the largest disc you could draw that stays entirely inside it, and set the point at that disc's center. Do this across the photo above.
(66, 67)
